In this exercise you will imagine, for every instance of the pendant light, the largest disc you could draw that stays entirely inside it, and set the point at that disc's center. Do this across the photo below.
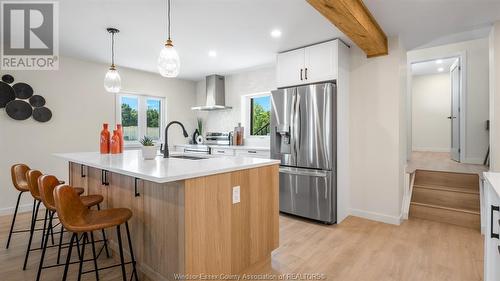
(169, 63)
(112, 80)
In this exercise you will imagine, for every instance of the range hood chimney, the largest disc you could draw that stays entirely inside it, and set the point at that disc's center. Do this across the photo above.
(215, 96)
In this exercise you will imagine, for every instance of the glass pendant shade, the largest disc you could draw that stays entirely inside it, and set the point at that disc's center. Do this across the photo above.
(112, 81)
(169, 63)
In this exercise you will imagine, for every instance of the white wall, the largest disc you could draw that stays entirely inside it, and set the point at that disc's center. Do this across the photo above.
(494, 67)
(76, 96)
(378, 133)
(477, 93)
(431, 95)
(237, 85)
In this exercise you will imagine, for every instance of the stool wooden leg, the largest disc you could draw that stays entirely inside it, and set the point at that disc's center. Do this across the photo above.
(14, 218)
(60, 244)
(44, 248)
(68, 257)
(134, 271)
(120, 247)
(95, 256)
(32, 230)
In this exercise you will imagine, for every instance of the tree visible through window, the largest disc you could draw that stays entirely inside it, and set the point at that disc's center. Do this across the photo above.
(141, 116)
(260, 115)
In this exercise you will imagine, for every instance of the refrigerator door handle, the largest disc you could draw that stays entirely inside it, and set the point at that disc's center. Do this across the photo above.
(304, 172)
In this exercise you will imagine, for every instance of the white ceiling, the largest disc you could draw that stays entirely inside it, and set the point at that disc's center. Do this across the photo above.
(420, 22)
(432, 67)
(239, 30)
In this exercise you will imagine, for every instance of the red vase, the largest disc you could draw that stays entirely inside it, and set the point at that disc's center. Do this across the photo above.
(105, 139)
(119, 128)
(115, 143)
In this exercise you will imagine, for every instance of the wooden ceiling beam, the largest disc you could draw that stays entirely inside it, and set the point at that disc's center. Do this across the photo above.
(355, 20)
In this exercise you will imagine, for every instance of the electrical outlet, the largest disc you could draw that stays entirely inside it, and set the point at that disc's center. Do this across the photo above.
(236, 194)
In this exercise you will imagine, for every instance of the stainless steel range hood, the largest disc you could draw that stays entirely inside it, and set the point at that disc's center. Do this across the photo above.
(215, 96)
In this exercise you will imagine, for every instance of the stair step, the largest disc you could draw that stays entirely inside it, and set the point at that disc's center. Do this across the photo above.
(449, 179)
(456, 216)
(446, 197)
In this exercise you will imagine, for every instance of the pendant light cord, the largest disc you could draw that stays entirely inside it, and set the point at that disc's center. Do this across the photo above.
(168, 18)
(113, 49)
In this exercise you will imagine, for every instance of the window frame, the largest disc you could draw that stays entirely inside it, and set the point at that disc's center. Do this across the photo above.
(246, 113)
(141, 115)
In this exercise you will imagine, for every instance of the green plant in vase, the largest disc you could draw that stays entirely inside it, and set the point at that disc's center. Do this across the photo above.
(148, 148)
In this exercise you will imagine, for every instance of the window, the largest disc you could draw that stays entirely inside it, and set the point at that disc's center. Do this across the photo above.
(257, 114)
(140, 116)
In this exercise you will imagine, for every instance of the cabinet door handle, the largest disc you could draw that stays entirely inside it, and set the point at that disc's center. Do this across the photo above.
(492, 234)
(82, 172)
(136, 192)
(104, 177)
(301, 70)
(252, 151)
(221, 151)
(306, 73)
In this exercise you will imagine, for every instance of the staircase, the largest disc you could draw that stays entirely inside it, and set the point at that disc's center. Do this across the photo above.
(446, 197)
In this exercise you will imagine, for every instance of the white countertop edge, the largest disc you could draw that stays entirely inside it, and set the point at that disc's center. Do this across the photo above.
(494, 180)
(270, 162)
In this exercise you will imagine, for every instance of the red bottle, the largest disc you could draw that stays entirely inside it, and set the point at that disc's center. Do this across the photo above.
(115, 143)
(119, 128)
(105, 139)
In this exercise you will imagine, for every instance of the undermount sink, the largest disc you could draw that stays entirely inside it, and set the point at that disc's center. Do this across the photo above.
(187, 157)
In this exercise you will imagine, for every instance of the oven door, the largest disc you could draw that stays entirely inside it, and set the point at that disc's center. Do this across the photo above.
(308, 193)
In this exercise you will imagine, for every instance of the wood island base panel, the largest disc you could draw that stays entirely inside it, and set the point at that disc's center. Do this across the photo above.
(191, 227)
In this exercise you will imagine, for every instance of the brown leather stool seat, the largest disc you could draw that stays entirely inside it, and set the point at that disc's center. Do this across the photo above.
(76, 218)
(47, 185)
(19, 181)
(78, 190)
(18, 174)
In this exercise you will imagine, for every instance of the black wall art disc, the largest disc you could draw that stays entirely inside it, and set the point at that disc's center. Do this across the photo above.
(19, 110)
(37, 101)
(42, 114)
(7, 94)
(23, 90)
(8, 79)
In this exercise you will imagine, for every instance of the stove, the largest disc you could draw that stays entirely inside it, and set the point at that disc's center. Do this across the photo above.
(214, 138)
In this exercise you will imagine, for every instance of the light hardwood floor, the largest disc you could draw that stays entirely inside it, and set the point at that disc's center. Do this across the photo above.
(441, 161)
(357, 249)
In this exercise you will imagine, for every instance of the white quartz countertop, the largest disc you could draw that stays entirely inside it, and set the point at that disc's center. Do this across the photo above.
(236, 147)
(494, 180)
(163, 170)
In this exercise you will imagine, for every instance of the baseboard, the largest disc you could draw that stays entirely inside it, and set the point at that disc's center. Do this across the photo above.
(431, 149)
(478, 161)
(22, 209)
(376, 216)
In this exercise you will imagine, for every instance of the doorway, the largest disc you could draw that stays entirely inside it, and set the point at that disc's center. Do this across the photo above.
(436, 106)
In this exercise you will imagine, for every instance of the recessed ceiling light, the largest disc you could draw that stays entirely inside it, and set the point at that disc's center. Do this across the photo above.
(276, 33)
(440, 69)
(212, 54)
(439, 61)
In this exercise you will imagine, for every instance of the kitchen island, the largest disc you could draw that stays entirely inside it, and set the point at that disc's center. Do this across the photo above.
(188, 218)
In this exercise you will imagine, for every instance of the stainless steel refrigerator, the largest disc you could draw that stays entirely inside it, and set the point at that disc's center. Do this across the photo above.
(303, 137)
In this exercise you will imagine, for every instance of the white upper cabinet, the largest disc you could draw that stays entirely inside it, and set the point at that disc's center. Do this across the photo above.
(290, 67)
(308, 65)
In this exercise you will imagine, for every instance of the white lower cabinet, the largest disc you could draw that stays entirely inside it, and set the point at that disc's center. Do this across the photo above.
(254, 153)
(492, 234)
(222, 151)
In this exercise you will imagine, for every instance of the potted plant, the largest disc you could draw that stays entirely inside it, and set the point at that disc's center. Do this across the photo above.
(148, 148)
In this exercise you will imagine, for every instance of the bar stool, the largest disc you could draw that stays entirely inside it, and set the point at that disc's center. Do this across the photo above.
(32, 183)
(78, 219)
(46, 185)
(18, 175)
